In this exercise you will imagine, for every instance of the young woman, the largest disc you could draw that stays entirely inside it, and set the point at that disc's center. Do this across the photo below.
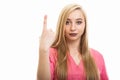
(67, 55)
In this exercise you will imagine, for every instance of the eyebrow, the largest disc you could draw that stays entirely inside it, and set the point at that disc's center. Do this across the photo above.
(76, 19)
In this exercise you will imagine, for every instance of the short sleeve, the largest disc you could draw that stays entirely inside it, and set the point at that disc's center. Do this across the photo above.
(99, 59)
(103, 74)
(52, 61)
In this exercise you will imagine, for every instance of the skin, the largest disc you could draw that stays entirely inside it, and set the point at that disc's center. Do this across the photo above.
(73, 25)
(46, 40)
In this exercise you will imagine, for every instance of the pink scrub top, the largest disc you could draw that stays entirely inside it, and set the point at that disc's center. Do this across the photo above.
(76, 72)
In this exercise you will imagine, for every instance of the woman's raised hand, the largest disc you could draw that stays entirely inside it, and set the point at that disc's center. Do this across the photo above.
(47, 36)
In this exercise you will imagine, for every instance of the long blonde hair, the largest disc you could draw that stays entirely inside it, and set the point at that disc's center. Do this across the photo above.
(90, 68)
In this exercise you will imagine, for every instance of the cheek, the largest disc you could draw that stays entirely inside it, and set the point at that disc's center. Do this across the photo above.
(81, 28)
(65, 30)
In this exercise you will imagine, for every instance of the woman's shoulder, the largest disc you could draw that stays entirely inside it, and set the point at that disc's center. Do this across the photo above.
(53, 53)
(52, 50)
(98, 57)
(95, 53)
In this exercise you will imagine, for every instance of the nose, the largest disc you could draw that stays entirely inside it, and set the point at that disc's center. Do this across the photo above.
(73, 27)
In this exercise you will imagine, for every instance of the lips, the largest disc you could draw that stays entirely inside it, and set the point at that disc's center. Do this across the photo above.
(73, 34)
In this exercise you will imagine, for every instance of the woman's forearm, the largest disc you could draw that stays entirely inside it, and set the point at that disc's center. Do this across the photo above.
(43, 66)
(46, 40)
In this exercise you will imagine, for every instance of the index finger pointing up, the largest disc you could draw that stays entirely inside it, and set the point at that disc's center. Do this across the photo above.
(45, 23)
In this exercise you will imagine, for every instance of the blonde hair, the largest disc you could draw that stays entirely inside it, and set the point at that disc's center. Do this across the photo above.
(90, 68)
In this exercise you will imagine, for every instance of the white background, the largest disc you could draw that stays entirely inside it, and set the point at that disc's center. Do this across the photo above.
(21, 25)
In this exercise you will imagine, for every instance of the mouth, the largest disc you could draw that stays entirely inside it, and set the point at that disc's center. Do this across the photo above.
(73, 34)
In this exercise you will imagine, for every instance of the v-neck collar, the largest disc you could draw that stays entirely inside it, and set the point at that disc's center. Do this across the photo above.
(73, 61)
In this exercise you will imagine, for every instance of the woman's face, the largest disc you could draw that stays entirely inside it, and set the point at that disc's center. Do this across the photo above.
(74, 26)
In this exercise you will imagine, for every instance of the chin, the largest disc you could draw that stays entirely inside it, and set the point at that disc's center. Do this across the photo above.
(73, 38)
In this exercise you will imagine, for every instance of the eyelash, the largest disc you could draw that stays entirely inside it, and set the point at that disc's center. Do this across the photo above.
(67, 22)
(77, 22)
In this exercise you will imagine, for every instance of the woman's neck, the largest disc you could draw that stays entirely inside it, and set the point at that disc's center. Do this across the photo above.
(74, 50)
(73, 46)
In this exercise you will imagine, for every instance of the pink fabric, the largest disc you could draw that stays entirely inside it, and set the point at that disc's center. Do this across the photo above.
(76, 72)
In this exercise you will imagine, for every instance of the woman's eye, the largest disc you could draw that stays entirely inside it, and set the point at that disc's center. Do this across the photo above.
(79, 22)
(67, 22)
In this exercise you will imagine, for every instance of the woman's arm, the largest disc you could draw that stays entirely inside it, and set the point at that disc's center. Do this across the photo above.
(43, 66)
(104, 75)
(46, 40)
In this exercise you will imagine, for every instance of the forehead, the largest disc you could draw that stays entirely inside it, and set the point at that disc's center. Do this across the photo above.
(76, 14)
